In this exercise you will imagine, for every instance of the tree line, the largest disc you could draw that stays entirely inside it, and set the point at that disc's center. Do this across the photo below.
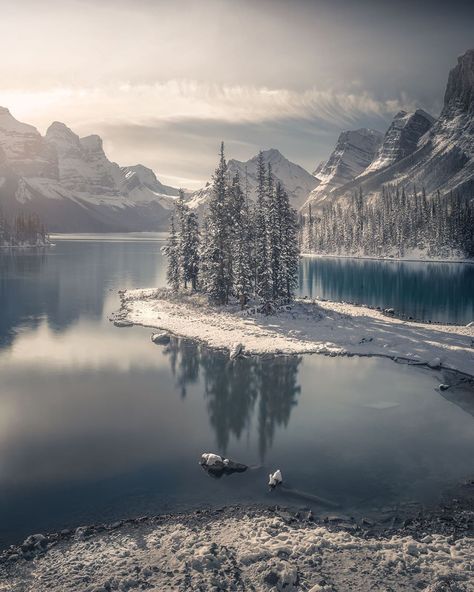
(392, 224)
(240, 250)
(24, 229)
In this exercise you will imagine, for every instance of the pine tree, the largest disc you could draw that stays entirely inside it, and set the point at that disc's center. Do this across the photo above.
(218, 271)
(171, 250)
(241, 241)
(263, 287)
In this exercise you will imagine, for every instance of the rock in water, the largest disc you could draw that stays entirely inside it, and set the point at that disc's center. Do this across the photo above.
(275, 479)
(160, 338)
(216, 466)
(443, 387)
(236, 350)
(123, 323)
(434, 363)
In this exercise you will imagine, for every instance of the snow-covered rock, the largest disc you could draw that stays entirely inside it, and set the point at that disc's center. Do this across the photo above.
(161, 338)
(275, 479)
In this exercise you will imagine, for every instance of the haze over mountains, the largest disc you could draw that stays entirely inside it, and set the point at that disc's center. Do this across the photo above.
(72, 185)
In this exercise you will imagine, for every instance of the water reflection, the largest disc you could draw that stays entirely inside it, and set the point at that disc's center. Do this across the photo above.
(426, 291)
(233, 389)
(70, 281)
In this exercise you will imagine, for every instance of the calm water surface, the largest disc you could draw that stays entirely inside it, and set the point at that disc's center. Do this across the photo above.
(442, 292)
(98, 423)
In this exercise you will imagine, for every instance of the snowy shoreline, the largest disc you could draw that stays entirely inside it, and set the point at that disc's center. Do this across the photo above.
(244, 549)
(308, 326)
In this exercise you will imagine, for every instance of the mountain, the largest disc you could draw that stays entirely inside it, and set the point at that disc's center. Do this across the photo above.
(401, 138)
(296, 180)
(354, 151)
(72, 185)
(437, 155)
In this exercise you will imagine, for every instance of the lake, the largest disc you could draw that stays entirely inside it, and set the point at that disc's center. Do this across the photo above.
(98, 423)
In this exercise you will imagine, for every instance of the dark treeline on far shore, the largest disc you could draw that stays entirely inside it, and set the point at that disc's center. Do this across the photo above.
(392, 224)
(23, 230)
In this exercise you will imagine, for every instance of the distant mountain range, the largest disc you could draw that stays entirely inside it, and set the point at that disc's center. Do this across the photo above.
(437, 154)
(72, 185)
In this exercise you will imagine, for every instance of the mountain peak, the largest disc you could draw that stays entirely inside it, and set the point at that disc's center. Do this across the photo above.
(9, 124)
(459, 95)
(92, 143)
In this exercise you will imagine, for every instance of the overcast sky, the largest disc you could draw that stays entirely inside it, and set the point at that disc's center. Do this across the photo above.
(164, 82)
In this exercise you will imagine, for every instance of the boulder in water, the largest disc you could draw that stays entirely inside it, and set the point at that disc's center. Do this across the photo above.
(122, 323)
(275, 479)
(236, 351)
(160, 338)
(216, 465)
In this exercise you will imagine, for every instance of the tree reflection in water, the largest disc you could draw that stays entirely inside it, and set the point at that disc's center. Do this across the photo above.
(235, 390)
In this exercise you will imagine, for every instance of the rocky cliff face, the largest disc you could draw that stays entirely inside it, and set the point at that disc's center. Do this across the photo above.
(401, 139)
(83, 165)
(459, 95)
(23, 150)
(354, 151)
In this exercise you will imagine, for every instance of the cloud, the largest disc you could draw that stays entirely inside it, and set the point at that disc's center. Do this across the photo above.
(175, 100)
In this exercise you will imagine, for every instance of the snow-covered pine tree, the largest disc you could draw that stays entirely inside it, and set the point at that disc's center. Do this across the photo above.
(289, 251)
(190, 250)
(171, 250)
(218, 272)
(241, 241)
(275, 233)
(263, 288)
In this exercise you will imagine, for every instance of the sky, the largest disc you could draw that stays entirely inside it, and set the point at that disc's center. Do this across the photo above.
(164, 82)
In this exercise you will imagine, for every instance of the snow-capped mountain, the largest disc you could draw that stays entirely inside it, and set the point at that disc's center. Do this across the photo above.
(437, 155)
(354, 151)
(72, 185)
(401, 139)
(296, 180)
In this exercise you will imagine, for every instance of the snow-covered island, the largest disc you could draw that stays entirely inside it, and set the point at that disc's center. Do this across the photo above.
(306, 326)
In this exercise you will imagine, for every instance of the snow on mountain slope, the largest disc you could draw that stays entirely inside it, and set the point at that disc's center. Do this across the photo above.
(401, 138)
(72, 185)
(354, 151)
(444, 156)
(296, 180)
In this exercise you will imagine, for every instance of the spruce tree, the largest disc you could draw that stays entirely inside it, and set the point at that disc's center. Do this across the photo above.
(263, 288)
(173, 273)
(218, 272)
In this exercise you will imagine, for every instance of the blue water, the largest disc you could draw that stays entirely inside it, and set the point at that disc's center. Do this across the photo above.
(442, 292)
(98, 423)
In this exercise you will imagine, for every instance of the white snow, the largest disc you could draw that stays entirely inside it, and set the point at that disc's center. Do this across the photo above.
(275, 478)
(307, 327)
(258, 552)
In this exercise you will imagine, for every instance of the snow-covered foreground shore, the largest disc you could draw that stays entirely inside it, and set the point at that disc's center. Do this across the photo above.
(237, 550)
(306, 327)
